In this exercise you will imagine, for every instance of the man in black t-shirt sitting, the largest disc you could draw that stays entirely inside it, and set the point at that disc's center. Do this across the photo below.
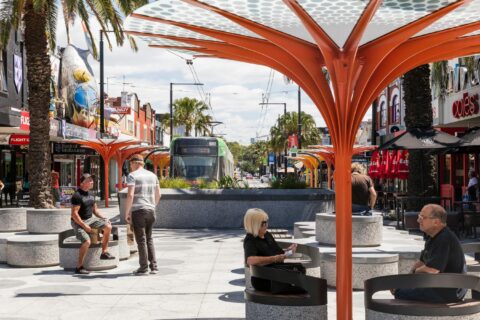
(442, 254)
(83, 220)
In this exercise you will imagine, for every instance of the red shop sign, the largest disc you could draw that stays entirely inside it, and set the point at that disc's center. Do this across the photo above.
(25, 120)
(19, 139)
(465, 107)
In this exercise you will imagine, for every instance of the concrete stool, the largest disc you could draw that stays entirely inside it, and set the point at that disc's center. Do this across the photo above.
(406, 259)
(299, 227)
(366, 230)
(3, 244)
(364, 266)
(123, 248)
(13, 219)
(32, 251)
(43, 221)
(69, 247)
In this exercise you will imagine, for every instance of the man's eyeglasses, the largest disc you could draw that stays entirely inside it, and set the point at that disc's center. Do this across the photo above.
(264, 222)
(425, 217)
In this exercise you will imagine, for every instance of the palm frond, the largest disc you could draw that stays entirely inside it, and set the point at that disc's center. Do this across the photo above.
(69, 8)
(84, 16)
(51, 10)
(7, 22)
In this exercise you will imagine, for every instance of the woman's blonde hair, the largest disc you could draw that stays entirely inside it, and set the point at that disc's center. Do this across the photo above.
(252, 222)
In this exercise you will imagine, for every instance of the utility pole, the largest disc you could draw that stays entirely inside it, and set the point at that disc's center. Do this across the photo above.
(299, 118)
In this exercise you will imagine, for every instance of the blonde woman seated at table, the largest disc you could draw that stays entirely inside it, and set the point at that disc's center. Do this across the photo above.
(261, 249)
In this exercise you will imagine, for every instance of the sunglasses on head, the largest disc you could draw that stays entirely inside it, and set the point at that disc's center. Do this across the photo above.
(264, 222)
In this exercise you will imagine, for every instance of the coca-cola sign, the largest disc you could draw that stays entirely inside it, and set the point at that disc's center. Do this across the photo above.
(465, 107)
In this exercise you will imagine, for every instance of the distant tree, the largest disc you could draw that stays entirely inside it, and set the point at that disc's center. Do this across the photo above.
(192, 114)
(236, 149)
(256, 153)
(287, 125)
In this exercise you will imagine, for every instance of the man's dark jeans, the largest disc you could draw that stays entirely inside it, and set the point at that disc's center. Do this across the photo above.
(142, 222)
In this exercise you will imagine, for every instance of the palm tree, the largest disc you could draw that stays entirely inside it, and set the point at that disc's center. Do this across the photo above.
(192, 114)
(418, 113)
(39, 18)
(439, 81)
(288, 125)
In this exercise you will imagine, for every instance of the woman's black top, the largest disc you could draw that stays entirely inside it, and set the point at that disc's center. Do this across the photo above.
(256, 246)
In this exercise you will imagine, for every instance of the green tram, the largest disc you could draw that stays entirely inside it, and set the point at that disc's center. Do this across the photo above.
(201, 158)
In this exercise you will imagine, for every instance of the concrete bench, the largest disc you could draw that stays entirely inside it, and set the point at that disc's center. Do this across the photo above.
(69, 247)
(380, 309)
(366, 230)
(32, 250)
(45, 221)
(364, 266)
(13, 219)
(262, 305)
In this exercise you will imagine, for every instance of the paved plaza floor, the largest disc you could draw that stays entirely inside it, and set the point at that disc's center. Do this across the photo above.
(201, 277)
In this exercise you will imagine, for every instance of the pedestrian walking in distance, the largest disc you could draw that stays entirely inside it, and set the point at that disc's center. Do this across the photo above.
(142, 198)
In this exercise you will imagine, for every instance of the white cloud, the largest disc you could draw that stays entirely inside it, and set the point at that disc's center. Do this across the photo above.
(235, 88)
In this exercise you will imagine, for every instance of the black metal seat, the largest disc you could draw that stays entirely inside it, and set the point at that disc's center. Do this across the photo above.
(316, 288)
(417, 308)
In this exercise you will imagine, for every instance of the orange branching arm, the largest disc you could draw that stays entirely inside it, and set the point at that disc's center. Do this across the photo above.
(309, 78)
(304, 57)
(454, 48)
(375, 51)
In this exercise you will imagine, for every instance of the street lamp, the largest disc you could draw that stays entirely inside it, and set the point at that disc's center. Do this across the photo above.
(171, 104)
(299, 118)
(284, 119)
(213, 124)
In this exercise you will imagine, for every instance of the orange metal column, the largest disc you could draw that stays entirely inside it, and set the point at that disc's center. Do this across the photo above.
(343, 209)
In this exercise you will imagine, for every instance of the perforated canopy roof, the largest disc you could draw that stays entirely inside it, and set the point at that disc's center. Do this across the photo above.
(336, 17)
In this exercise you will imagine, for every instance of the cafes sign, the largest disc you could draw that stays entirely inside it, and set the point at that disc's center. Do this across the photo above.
(465, 107)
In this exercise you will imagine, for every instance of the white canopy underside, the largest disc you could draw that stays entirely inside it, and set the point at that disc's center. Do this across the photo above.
(336, 17)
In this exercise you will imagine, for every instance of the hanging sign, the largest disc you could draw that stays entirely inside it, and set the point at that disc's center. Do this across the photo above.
(19, 140)
(25, 120)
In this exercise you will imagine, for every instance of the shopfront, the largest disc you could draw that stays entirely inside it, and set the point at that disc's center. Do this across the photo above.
(459, 113)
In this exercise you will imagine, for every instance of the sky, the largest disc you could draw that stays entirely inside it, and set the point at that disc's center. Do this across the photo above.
(234, 89)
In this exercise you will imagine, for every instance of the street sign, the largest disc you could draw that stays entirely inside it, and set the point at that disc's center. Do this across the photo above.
(271, 158)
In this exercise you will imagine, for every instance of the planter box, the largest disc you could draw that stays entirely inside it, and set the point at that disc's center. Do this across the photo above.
(225, 208)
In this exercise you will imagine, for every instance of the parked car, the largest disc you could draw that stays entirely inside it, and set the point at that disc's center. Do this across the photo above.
(249, 176)
(265, 178)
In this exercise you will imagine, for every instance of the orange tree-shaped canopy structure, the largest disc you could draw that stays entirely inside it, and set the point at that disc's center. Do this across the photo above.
(364, 45)
(106, 148)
